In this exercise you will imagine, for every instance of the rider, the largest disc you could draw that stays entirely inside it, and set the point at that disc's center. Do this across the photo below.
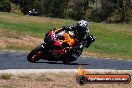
(81, 33)
(80, 30)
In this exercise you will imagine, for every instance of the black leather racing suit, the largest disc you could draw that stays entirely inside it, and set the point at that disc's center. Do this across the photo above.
(80, 32)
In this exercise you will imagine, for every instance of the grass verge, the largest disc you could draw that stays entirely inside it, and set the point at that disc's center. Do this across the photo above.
(5, 76)
(53, 80)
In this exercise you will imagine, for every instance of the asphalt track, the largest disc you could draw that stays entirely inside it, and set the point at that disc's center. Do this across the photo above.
(17, 60)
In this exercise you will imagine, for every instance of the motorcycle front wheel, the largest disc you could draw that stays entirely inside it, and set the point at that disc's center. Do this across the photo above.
(35, 54)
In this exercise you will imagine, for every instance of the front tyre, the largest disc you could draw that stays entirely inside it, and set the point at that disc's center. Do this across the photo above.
(35, 54)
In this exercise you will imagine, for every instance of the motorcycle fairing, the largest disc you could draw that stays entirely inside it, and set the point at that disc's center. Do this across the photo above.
(60, 37)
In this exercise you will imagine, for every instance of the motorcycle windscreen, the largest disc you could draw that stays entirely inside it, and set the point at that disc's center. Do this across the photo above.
(60, 35)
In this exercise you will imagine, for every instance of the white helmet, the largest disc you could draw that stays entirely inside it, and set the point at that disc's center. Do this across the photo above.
(82, 23)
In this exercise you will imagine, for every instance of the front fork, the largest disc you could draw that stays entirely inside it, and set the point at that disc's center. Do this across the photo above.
(44, 50)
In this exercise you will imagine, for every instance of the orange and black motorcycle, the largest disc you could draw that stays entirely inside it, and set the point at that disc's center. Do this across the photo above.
(59, 45)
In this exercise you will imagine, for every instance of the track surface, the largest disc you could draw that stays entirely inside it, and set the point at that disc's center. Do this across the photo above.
(17, 60)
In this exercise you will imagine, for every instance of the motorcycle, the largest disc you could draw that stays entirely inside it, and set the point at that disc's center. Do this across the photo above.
(66, 49)
(33, 12)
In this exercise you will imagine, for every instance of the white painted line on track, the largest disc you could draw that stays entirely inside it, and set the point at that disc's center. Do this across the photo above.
(21, 71)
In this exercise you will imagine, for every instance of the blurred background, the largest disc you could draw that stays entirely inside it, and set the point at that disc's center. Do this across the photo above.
(117, 11)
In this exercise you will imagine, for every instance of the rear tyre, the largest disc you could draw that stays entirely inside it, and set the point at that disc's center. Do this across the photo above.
(35, 54)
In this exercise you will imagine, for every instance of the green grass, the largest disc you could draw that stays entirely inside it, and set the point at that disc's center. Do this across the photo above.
(114, 40)
(35, 26)
(31, 29)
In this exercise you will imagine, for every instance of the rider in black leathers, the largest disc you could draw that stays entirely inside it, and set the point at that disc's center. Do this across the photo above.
(81, 33)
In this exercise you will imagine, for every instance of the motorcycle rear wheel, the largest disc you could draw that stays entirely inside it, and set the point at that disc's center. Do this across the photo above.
(34, 55)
